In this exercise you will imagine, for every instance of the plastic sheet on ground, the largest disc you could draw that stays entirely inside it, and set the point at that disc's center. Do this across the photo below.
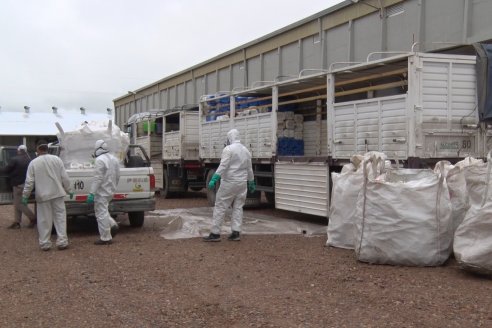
(196, 222)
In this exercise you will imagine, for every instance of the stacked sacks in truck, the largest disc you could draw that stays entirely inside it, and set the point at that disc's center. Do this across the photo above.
(290, 134)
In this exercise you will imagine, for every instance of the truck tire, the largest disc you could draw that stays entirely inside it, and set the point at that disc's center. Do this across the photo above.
(196, 188)
(270, 197)
(211, 193)
(165, 193)
(136, 219)
(253, 199)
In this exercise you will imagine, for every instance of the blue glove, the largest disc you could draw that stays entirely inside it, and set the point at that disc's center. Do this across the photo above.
(251, 186)
(24, 200)
(90, 199)
(213, 181)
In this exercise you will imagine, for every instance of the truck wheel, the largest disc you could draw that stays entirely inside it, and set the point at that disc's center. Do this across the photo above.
(253, 200)
(270, 197)
(165, 193)
(196, 188)
(136, 219)
(211, 193)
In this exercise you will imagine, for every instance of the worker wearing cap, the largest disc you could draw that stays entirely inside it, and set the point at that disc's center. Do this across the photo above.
(16, 170)
(47, 174)
(106, 177)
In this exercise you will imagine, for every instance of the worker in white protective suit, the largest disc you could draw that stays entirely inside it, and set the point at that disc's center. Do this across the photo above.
(47, 174)
(235, 173)
(106, 177)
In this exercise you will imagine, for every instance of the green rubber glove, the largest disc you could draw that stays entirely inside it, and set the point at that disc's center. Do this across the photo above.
(252, 186)
(24, 200)
(90, 199)
(71, 194)
(213, 181)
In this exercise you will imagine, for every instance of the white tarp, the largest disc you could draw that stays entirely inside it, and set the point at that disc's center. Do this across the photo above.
(196, 222)
(473, 238)
(404, 218)
(346, 188)
(77, 146)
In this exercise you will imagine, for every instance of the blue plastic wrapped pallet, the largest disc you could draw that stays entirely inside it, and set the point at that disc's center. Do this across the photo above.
(211, 102)
(290, 147)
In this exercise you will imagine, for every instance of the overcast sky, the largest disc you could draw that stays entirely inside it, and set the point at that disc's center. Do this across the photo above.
(74, 53)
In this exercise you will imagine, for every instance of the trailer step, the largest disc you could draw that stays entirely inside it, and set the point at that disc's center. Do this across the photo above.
(265, 188)
(263, 174)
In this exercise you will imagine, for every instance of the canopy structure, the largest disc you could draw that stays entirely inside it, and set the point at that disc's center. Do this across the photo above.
(32, 123)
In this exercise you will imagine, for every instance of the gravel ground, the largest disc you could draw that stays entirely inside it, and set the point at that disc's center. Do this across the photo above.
(143, 280)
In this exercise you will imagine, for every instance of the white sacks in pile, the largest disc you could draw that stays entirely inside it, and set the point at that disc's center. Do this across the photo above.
(404, 218)
(473, 239)
(346, 188)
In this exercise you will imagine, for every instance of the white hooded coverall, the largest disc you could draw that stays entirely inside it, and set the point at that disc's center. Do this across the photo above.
(47, 173)
(235, 171)
(106, 177)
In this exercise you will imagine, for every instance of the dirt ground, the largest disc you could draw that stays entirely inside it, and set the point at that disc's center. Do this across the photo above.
(143, 280)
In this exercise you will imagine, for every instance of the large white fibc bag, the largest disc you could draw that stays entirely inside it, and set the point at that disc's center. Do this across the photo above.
(77, 146)
(346, 188)
(404, 218)
(456, 181)
(473, 239)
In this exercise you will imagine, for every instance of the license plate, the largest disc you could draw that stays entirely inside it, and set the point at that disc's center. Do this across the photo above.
(456, 145)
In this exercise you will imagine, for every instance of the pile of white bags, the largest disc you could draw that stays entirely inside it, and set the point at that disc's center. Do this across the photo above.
(404, 218)
(77, 146)
(346, 188)
(473, 238)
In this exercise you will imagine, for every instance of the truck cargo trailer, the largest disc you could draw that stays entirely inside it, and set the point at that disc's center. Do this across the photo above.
(417, 108)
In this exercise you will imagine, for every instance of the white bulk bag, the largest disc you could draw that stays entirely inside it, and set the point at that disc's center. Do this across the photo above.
(404, 218)
(77, 146)
(346, 188)
(473, 238)
(458, 194)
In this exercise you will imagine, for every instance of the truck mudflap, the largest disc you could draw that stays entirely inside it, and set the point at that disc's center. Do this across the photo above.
(121, 206)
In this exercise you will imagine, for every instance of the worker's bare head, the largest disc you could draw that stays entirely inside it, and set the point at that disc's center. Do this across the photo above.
(42, 148)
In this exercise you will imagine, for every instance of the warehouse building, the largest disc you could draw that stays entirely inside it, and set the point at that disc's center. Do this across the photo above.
(352, 31)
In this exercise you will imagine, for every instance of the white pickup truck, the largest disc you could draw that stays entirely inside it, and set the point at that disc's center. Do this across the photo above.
(134, 194)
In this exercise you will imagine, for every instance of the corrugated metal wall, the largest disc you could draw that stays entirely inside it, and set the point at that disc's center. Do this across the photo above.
(347, 32)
